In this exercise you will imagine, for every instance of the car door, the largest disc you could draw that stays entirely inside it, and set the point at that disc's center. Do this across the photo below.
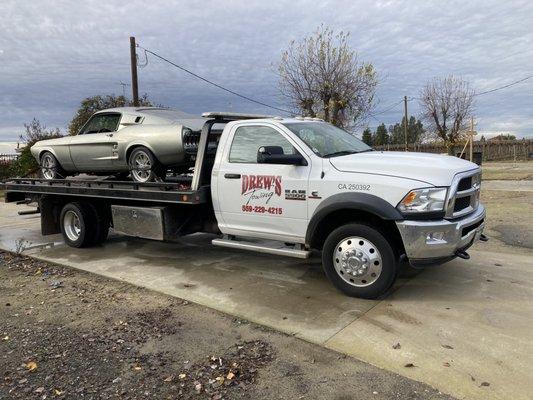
(92, 148)
(262, 200)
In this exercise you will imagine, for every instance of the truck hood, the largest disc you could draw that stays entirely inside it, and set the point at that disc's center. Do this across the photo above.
(433, 169)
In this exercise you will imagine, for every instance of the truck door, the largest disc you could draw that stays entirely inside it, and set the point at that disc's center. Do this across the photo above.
(258, 199)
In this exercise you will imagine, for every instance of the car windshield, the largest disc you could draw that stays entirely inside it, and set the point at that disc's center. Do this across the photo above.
(326, 140)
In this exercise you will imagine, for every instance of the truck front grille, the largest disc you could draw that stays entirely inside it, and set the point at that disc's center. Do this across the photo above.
(464, 194)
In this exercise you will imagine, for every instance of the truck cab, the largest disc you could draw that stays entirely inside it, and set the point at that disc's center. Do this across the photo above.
(306, 182)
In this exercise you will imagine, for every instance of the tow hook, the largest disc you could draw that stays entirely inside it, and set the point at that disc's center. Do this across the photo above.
(462, 254)
(483, 238)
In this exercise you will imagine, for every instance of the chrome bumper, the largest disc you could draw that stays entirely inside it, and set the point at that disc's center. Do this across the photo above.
(426, 240)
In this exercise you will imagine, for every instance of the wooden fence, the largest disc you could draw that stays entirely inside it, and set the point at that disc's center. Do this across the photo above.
(6, 159)
(501, 150)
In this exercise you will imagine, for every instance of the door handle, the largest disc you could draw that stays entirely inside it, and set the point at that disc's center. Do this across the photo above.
(232, 176)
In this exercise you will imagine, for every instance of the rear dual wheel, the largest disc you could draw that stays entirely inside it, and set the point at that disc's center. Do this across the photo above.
(83, 224)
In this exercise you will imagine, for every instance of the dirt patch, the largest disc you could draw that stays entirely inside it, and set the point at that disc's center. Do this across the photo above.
(519, 170)
(509, 219)
(67, 334)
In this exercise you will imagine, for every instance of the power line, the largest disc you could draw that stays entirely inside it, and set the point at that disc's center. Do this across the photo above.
(213, 83)
(505, 86)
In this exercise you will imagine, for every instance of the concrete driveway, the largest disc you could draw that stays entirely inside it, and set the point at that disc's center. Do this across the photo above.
(464, 327)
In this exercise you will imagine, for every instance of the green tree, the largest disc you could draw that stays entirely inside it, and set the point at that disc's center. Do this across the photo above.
(415, 131)
(90, 105)
(26, 163)
(381, 137)
(322, 76)
(367, 136)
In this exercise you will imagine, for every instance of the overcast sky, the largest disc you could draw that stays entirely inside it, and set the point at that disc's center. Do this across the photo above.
(55, 53)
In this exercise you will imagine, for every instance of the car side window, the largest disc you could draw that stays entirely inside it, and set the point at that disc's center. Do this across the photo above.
(101, 123)
(248, 139)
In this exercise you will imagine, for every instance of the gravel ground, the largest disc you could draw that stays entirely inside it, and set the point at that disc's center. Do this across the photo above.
(71, 335)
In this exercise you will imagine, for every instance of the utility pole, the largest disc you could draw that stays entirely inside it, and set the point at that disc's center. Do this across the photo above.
(471, 138)
(134, 84)
(406, 122)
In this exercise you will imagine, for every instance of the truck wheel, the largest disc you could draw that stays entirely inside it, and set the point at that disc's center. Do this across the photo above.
(102, 221)
(359, 261)
(50, 167)
(143, 165)
(78, 224)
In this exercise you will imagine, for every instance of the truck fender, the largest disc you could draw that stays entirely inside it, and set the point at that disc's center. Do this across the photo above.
(351, 201)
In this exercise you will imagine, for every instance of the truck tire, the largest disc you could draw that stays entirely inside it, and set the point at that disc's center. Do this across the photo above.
(102, 221)
(143, 165)
(50, 167)
(78, 225)
(359, 261)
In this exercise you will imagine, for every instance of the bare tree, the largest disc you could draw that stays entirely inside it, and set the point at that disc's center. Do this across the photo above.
(446, 104)
(323, 77)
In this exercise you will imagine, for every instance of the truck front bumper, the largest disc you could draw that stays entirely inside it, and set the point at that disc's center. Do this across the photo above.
(429, 242)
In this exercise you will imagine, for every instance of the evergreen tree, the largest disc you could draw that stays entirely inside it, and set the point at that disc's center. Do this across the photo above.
(367, 136)
(381, 137)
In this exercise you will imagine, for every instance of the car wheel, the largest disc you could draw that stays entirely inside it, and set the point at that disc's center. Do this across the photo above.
(50, 167)
(77, 225)
(143, 165)
(359, 261)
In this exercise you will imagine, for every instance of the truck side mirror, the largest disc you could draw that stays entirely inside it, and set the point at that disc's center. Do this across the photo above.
(275, 155)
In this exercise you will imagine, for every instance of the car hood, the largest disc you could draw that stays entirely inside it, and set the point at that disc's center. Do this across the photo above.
(435, 169)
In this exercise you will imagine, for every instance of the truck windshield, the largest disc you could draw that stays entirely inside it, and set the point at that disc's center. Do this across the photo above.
(326, 140)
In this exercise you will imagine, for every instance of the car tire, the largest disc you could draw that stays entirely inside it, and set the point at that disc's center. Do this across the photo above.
(359, 261)
(77, 221)
(49, 167)
(143, 165)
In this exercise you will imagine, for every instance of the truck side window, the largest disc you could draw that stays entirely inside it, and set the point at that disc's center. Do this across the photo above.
(248, 139)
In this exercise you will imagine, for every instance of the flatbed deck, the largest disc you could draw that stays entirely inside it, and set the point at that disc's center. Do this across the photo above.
(161, 192)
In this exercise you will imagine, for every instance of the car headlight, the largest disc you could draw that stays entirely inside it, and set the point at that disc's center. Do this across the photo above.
(423, 200)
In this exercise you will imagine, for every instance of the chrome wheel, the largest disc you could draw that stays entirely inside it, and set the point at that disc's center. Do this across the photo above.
(48, 166)
(141, 167)
(72, 225)
(357, 261)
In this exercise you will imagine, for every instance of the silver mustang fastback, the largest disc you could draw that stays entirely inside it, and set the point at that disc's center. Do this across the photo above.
(142, 142)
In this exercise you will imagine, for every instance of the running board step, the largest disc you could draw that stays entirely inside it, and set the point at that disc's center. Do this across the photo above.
(262, 248)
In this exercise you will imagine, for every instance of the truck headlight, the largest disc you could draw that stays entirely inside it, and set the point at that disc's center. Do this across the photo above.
(423, 200)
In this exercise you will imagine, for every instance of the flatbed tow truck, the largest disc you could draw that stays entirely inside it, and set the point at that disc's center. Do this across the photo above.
(297, 181)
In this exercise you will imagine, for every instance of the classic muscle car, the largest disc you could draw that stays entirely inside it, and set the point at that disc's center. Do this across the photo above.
(143, 142)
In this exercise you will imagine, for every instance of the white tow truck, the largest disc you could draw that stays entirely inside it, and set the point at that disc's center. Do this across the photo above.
(285, 186)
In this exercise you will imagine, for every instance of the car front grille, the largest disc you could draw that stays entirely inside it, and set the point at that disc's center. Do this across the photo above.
(464, 194)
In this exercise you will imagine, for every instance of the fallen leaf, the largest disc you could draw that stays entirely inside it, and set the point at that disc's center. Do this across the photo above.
(40, 389)
(198, 387)
(230, 375)
(484, 384)
(58, 392)
(409, 365)
(446, 364)
(137, 368)
(31, 366)
(447, 346)
(396, 346)
(169, 378)
(5, 337)
(182, 376)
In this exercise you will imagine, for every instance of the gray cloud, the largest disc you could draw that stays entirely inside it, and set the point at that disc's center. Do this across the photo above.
(55, 53)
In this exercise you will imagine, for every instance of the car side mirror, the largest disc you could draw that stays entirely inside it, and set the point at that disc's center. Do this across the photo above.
(275, 155)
